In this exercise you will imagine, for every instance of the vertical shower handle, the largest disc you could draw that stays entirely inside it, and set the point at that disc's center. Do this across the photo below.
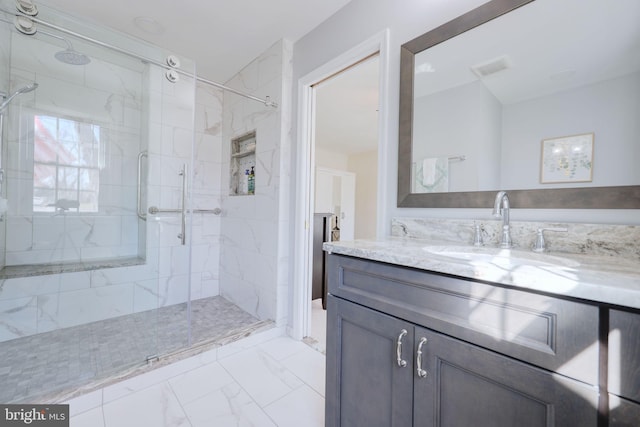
(183, 221)
(141, 214)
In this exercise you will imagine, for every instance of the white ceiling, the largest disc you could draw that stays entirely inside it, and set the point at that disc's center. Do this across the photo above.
(552, 46)
(221, 36)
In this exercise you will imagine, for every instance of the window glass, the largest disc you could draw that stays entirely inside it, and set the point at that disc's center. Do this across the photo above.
(67, 162)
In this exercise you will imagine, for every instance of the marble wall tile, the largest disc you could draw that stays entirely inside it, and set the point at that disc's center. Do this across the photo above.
(146, 295)
(173, 290)
(120, 275)
(72, 308)
(249, 267)
(19, 233)
(588, 239)
(174, 260)
(18, 317)
(210, 286)
(209, 101)
(107, 252)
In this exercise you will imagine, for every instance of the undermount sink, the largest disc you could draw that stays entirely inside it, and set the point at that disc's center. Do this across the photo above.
(499, 256)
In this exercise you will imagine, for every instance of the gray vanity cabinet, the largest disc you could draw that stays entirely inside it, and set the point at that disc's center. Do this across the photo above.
(624, 369)
(447, 380)
(365, 384)
(460, 385)
(466, 385)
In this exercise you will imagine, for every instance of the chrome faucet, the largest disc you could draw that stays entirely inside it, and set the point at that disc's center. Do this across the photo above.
(501, 210)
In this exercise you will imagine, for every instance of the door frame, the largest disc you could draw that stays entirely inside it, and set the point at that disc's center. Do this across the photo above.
(305, 164)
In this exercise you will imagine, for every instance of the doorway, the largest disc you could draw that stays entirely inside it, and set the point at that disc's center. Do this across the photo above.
(377, 45)
(345, 141)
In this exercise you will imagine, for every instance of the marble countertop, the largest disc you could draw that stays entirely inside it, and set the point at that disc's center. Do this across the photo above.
(605, 279)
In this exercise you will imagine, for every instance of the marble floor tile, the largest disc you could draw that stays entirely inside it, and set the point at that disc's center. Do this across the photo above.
(154, 406)
(309, 366)
(301, 407)
(262, 376)
(282, 347)
(199, 382)
(230, 406)
(92, 418)
(266, 384)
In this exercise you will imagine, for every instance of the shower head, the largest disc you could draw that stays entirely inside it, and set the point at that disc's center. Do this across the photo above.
(72, 57)
(69, 55)
(23, 89)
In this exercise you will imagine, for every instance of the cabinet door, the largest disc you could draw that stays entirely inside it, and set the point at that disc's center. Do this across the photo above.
(624, 354)
(466, 385)
(365, 384)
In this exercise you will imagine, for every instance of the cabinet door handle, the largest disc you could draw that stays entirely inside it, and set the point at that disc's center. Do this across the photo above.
(421, 372)
(401, 363)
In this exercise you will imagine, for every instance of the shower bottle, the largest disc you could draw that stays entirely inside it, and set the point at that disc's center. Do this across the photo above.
(251, 186)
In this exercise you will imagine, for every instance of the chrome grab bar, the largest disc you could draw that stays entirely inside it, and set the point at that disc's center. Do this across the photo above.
(141, 214)
(183, 211)
(183, 220)
(153, 210)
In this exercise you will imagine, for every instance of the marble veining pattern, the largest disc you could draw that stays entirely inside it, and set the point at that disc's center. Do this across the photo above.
(252, 252)
(211, 390)
(613, 280)
(587, 239)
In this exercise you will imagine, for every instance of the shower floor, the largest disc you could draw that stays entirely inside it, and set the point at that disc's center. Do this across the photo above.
(61, 361)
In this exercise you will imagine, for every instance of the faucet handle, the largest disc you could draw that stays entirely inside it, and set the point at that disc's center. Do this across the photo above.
(540, 245)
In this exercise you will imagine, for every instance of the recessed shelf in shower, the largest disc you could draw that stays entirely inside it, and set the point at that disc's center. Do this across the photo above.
(243, 163)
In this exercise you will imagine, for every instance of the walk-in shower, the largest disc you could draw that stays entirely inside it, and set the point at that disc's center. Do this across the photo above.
(109, 247)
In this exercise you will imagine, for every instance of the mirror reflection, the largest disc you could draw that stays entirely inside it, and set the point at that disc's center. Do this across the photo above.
(546, 96)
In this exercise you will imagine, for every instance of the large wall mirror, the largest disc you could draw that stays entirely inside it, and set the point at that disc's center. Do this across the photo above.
(540, 98)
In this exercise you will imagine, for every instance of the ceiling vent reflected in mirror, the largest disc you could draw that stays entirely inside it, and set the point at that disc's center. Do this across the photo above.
(492, 66)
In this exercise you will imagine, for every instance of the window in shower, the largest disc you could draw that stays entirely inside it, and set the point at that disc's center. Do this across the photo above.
(68, 155)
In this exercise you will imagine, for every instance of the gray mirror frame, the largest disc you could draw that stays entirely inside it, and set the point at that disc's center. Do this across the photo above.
(619, 197)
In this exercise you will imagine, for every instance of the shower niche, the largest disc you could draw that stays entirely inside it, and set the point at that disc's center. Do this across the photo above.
(243, 164)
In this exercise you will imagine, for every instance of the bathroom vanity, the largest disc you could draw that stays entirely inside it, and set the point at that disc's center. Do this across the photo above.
(443, 335)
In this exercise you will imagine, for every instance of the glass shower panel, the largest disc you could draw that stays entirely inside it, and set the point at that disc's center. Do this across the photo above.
(167, 204)
(92, 286)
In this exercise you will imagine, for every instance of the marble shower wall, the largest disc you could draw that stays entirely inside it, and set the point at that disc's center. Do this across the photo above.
(254, 259)
(107, 93)
(30, 305)
(207, 192)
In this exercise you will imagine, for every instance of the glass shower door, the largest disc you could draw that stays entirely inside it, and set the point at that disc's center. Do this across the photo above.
(168, 198)
(93, 284)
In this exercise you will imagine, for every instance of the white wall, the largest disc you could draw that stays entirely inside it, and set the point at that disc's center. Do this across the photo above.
(361, 19)
(365, 166)
(472, 129)
(331, 159)
(610, 109)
